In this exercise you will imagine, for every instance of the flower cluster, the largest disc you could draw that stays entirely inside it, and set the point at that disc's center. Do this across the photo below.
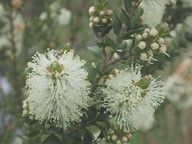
(115, 137)
(99, 18)
(151, 42)
(57, 87)
(131, 98)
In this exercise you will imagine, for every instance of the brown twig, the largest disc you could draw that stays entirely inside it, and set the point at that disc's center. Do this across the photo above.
(107, 61)
(14, 59)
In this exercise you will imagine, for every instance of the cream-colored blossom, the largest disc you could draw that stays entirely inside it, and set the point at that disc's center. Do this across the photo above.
(131, 98)
(57, 87)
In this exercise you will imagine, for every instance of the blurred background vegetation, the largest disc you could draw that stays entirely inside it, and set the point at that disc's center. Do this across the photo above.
(28, 26)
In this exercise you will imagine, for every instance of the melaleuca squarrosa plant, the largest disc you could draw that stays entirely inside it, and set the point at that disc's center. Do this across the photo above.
(80, 101)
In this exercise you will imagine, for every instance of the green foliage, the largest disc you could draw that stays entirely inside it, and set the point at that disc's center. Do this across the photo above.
(39, 35)
(101, 4)
(116, 25)
(128, 5)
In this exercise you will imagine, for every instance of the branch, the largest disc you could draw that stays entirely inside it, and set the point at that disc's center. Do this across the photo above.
(14, 59)
(109, 60)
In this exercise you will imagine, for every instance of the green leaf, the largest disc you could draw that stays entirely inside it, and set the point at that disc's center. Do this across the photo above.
(103, 124)
(125, 18)
(128, 5)
(51, 140)
(92, 73)
(35, 135)
(106, 30)
(131, 32)
(95, 50)
(25, 139)
(47, 125)
(101, 4)
(116, 25)
(109, 42)
(25, 129)
(136, 17)
(123, 45)
(44, 137)
(101, 45)
(98, 31)
(92, 113)
(87, 138)
(94, 130)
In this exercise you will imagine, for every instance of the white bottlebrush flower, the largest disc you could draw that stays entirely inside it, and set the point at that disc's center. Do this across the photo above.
(64, 17)
(154, 10)
(131, 98)
(57, 87)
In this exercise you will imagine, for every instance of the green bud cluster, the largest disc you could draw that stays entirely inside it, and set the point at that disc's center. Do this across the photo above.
(151, 42)
(99, 17)
(117, 137)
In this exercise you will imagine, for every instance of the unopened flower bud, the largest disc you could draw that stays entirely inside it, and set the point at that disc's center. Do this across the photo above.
(153, 32)
(91, 25)
(163, 49)
(125, 139)
(143, 56)
(104, 21)
(145, 35)
(110, 76)
(150, 52)
(142, 45)
(92, 10)
(109, 12)
(115, 71)
(154, 46)
(91, 18)
(147, 30)
(114, 137)
(165, 26)
(102, 13)
(138, 37)
(118, 142)
(96, 20)
(129, 136)
(161, 40)
(111, 131)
